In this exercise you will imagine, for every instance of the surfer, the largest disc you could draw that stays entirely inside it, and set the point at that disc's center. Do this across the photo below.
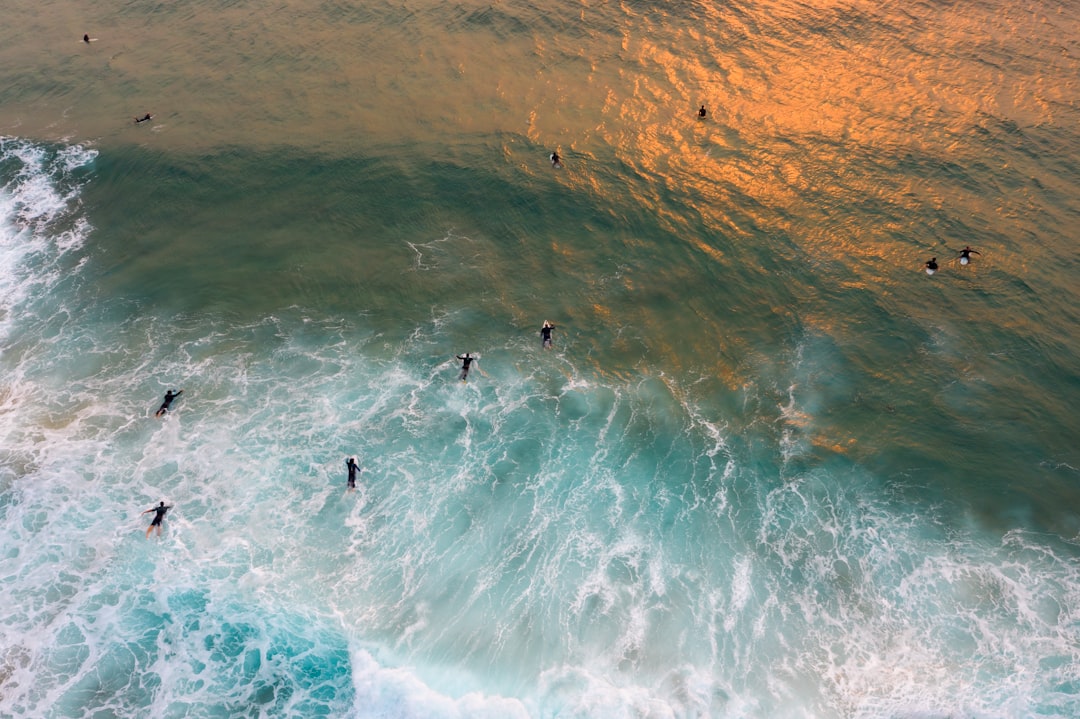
(545, 334)
(702, 113)
(145, 118)
(931, 266)
(352, 466)
(86, 39)
(160, 510)
(966, 253)
(556, 161)
(169, 397)
(465, 362)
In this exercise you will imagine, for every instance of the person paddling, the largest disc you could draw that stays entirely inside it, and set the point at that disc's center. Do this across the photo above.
(159, 515)
(352, 466)
(169, 397)
(545, 334)
(465, 362)
(931, 266)
(145, 118)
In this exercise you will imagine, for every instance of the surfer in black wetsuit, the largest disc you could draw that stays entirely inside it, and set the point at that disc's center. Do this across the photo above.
(160, 510)
(465, 362)
(86, 39)
(556, 161)
(145, 118)
(702, 113)
(169, 397)
(931, 266)
(966, 253)
(545, 334)
(352, 466)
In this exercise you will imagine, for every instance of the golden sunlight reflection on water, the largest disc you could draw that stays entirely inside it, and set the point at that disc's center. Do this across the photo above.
(566, 73)
(818, 112)
(804, 100)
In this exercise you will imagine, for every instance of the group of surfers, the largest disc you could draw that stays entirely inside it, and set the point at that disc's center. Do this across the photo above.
(352, 466)
(964, 257)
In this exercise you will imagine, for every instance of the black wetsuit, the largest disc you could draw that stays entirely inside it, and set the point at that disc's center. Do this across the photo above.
(465, 362)
(169, 397)
(932, 265)
(159, 514)
(351, 464)
(545, 334)
(701, 112)
(144, 118)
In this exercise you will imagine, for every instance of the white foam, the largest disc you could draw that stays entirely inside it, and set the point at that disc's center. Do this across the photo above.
(573, 548)
(36, 226)
(385, 691)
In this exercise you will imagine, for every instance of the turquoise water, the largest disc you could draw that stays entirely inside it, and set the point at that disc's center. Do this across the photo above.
(769, 469)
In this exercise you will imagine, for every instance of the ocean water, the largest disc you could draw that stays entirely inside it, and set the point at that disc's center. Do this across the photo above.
(769, 469)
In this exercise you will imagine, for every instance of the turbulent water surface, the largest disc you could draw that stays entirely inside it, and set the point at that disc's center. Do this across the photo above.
(769, 469)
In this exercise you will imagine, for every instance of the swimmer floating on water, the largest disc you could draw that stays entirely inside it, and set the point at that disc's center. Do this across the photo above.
(545, 334)
(966, 253)
(169, 397)
(160, 510)
(352, 466)
(931, 266)
(465, 362)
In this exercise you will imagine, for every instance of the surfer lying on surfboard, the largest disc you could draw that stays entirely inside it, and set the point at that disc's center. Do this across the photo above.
(545, 334)
(169, 397)
(352, 466)
(465, 362)
(145, 118)
(159, 515)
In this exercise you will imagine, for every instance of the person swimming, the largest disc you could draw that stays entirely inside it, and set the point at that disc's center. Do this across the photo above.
(350, 463)
(931, 266)
(169, 397)
(702, 113)
(465, 362)
(160, 510)
(966, 253)
(545, 334)
(145, 118)
(556, 161)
